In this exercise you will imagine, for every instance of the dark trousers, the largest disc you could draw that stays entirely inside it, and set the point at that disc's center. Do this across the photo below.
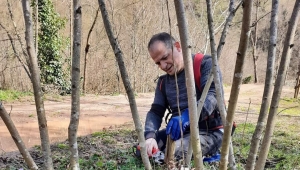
(210, 142)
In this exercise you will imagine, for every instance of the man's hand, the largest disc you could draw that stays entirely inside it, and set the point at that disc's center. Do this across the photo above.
(173, 126)
(151, 145)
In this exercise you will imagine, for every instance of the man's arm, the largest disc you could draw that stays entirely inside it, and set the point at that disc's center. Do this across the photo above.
(210, 102)
(156, 113)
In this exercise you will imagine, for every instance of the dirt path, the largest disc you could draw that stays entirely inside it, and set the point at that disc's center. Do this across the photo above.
(97, 112)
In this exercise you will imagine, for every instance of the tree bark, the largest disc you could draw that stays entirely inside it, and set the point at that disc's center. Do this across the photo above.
(237, 80)
(254, 42)
(87, 47)
(17, 138)
(36, 25)
(75, 108)
(219, 91)
(267, 89)
(35, 79)
(297, 86)
(119, 57)
(284, 63)
(227, 24)
(169, 153)
(190, 83)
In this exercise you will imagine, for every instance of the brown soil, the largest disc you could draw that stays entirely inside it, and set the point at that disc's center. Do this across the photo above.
(98, 112)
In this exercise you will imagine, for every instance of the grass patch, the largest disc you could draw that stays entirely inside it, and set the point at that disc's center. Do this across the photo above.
(289, 106)
(111, 149)
(11, 95)
(284, 150)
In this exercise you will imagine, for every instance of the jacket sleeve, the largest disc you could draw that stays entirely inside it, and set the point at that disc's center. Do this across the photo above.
(210, 103)
(156, 113)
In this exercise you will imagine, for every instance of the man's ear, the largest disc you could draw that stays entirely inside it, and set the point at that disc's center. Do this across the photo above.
(177, 46)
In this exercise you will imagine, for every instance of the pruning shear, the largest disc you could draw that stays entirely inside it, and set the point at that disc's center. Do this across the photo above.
(157, 155)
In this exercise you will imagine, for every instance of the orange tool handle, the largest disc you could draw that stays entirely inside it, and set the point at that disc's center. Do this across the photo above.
(154, 150)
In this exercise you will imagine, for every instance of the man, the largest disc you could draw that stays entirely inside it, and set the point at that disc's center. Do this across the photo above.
(167, 54)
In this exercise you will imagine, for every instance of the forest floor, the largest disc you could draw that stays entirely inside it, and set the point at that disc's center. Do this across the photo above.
(106, 126)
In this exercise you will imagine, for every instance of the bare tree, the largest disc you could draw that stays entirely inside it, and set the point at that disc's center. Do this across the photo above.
(75, 108)
(17, 138)
(219, 91)
(36, 8)
(35, 79)
(267, 89)
(119, 57)
(254, 42)
(297, 86)
(190, 84)
(227, 24)
(86, 51)
(237, 80)
(24, 65)
(284, 63)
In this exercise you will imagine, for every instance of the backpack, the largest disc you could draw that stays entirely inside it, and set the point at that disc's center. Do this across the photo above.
(197, 75)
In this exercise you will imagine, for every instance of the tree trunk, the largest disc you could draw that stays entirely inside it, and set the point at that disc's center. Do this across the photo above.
(219, 91)
(119, 57)
(254, 42)
(267, 90)
(190, 83)
(17, 138)
(297, 86)
(36, 25)
(75, 100)
(87, 47)
(35, 79)
(169, 153)
(209, 81)
(237, 80)
(285, 60)
(71, 28)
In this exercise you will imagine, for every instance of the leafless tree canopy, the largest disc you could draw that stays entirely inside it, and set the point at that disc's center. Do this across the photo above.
(134, 22)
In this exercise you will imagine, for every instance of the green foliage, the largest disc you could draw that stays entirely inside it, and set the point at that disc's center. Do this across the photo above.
(50, 45)
(62, 146)
(284, 139)
(246, 80)
(10, 95)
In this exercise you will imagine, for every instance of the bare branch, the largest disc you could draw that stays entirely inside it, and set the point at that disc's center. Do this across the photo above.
(119, 57)
(15, 51)
(255, 22)
(286, 109)
(17, 138)
(87, 47)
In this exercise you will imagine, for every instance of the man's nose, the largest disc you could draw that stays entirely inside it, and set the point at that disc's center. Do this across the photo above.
(163, 65)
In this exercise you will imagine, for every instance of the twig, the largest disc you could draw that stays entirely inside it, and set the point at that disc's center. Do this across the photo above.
(255, 22)
(3, 151)
(287, 108)
(246, 119)
(170, 143)
(10, 110)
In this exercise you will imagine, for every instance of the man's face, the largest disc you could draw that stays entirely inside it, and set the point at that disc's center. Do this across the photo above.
(162, 57)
